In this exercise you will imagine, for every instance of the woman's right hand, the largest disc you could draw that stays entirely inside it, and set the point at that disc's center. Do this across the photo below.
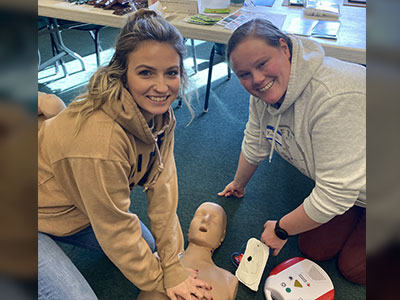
(233, 189)
(190, 289)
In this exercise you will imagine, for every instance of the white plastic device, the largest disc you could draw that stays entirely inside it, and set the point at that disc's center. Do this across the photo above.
(298, 279)
(252, 264)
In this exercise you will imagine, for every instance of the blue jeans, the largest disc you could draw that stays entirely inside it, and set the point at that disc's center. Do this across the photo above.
(58, 277)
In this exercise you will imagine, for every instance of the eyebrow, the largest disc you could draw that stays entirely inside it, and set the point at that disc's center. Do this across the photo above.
(213, 214)
(257, 62)
(151, 68)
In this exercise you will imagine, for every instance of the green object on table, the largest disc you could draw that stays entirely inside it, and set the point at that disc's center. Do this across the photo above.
(217, 10)
(203, 20)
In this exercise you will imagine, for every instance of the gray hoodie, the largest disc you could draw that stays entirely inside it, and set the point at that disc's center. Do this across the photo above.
(319, 128)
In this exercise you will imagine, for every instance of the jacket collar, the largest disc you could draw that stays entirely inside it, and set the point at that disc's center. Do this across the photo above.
(127, 114)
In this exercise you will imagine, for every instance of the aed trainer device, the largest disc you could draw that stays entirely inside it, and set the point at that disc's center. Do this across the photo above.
(298, 278)
(252, 264)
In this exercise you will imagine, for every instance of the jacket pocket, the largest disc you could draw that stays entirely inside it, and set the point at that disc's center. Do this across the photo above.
(51, 212)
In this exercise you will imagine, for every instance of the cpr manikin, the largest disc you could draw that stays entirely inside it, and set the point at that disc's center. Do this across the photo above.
(206, 233)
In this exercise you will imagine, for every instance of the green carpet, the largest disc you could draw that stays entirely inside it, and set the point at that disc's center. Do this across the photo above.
(206, 154)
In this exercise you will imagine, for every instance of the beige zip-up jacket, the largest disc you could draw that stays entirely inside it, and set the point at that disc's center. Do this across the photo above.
(86, 179)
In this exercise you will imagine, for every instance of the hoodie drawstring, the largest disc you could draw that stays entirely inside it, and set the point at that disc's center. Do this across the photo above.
(156, 135)
(160, 163)
(260, 138)
(160, 167)
(273, 138)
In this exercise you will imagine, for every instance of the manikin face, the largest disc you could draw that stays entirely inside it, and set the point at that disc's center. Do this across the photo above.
(153, 77)
(208, 225)
(263, 70)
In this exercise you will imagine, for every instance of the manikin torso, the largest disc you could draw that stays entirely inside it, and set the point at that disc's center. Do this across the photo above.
(206, 233)
(224, 283)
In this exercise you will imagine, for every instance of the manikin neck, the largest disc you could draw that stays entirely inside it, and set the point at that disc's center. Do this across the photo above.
(199, 253)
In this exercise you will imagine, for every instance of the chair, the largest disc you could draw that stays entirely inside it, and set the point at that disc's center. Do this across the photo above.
(93, 29)
(194, 55)
(54, 27)
(220, 50)
(50, 26)
(194, 64)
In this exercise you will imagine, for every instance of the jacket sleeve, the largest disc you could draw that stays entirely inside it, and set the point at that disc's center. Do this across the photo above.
(339, 143)
(100, 189)
(255, 147)
(162, 199)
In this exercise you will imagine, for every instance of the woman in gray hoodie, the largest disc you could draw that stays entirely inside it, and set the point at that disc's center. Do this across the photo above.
(311, 110)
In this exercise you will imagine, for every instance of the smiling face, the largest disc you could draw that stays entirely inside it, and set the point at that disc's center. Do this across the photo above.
(153, 77)
(208, 226)
(263, 70)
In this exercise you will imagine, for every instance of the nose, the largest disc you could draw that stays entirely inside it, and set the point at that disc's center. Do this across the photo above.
(160, 85)
(258, 78)
(206, 219)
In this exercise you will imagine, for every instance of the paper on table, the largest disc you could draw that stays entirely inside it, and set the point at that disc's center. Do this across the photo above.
(264, 2)
(322, 8)
(243, 15)
(326, 29)
(300, 26)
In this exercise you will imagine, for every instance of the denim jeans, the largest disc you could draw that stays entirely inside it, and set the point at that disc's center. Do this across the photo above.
(58, 277)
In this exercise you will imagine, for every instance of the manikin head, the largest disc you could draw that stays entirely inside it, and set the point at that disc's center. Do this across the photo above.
(208, 226)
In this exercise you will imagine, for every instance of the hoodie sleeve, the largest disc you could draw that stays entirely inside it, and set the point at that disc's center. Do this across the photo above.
(255, 147)
(339, 144)
(100, 188)
(162, 197)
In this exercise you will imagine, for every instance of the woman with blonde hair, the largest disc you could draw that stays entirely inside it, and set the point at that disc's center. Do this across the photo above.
(118, 135)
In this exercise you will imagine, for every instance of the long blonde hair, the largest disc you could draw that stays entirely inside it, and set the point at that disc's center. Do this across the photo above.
(107, 82)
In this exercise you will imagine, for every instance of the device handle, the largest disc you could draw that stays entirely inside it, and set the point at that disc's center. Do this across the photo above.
(268, 294)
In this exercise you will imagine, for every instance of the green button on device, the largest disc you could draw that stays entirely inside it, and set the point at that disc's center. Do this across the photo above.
(288, 290)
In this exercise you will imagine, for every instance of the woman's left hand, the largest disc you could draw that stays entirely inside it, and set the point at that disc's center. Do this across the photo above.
(270, 239)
